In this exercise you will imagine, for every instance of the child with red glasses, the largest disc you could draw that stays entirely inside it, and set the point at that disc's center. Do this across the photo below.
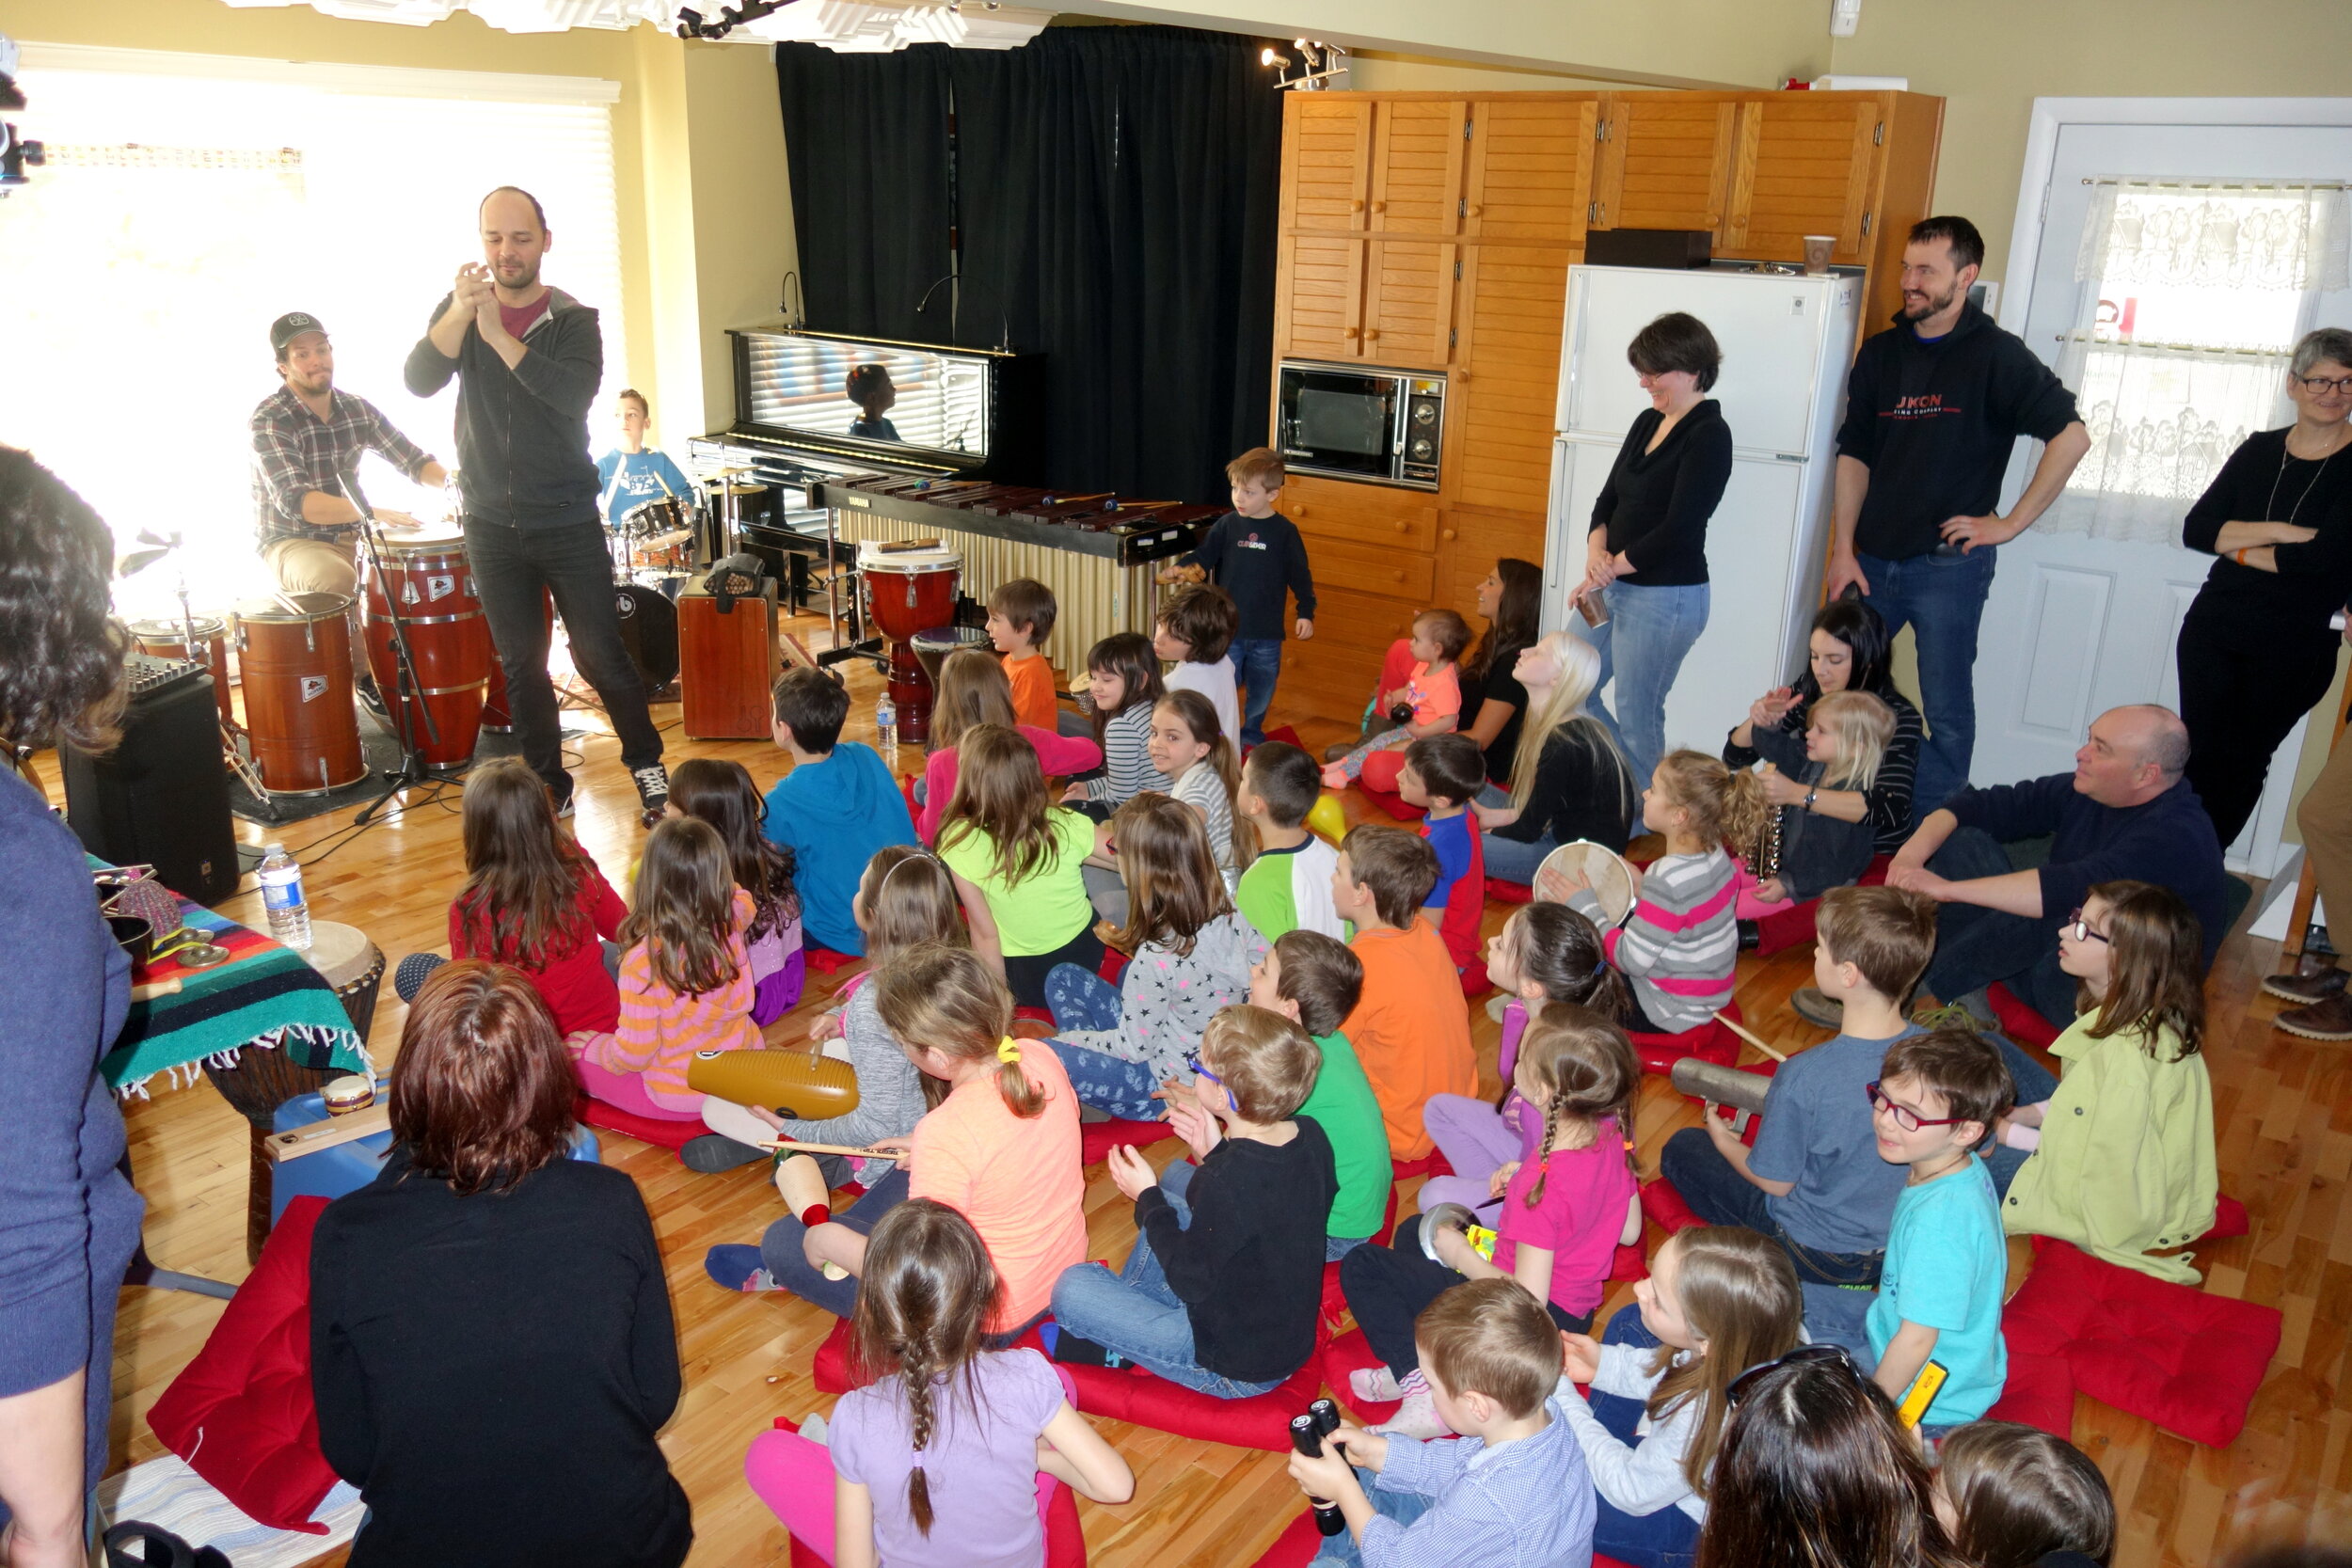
(1939, 1298)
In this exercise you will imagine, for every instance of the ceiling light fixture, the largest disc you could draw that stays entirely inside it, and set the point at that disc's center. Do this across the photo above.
(692, 25)
(1322, 65)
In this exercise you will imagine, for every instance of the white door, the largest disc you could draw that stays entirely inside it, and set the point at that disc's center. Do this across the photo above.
(2076, 626)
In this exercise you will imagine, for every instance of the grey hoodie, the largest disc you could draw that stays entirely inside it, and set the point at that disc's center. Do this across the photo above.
(1166, 999)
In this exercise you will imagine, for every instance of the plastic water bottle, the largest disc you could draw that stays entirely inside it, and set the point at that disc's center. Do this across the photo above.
(886, 725)
(282, 892)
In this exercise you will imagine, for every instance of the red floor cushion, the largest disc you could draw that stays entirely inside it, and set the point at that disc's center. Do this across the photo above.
(1348, 1352)
(652, 1130)
(1432, 1164)
(1096, 1139)
(2229, 1219)
(1663, 1207)
(1393, 804)
(1710, 1041)
(2019, 1022)
(240, 1413)
(1629, 1262)
(1501, 892)
(2188, 1360)
(1260, 1421)
(2041, 1388)
(1785, 928)
(1065, 1542)
(1300, 1540)
(824, 960)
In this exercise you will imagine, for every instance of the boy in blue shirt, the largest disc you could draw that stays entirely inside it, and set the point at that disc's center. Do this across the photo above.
(1947, 1260)
(1255, 554)
(1441, 774)
(630, 477)
(834, 809)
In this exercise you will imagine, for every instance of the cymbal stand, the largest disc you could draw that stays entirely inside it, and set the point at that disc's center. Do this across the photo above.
(407, 704)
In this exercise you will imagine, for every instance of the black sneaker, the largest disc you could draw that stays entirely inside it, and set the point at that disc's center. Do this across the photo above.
(563, 798)
(715, 1151)
(653, 792)
(373, 700)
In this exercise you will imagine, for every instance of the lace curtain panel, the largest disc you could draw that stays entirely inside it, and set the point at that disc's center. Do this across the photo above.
(2184, 337)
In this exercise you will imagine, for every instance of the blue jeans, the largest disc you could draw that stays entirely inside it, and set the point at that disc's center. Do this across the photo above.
(1510, 861)
(1976, 946)
(1176, 1181)
(1403, 1506)
(1941, 598)
(1136, 1314)
(1668, 1538)
(1721, 1196)
(779, 1248)
(1257, 666)
(1081, 999)
(1642, 647)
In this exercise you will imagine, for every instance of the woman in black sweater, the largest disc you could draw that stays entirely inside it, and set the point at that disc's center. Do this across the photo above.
(1568, 780)
(1645, 557)
(491, 1344)
(2256, 652)
(1494, 703)
(1850, 650)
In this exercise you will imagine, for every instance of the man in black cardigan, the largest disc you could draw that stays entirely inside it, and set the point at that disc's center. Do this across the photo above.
(528, 359)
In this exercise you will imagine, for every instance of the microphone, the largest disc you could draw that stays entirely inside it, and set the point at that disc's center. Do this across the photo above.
(924, 303)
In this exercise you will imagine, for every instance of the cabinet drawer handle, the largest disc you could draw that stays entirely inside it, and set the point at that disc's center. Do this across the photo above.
(1447, 535)
(1356, 206)
(1476, 210)
(1351, 332)
(1398, 576)
(1461, 377)
(1370, 333)
(1379, 206)
(1298, 510)
(1403, 527)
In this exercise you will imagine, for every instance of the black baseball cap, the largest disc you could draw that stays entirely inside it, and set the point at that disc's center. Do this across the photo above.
(293, 325)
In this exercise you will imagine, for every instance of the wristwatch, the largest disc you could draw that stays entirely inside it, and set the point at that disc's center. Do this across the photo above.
(1809, 796)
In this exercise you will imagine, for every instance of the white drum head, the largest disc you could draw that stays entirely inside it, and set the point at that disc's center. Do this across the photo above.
(871, 557)
(341, 954)
(1607, 873)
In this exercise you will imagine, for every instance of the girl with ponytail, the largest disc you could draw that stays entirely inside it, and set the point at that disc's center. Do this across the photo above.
(1563, 1213)
(936, 1462)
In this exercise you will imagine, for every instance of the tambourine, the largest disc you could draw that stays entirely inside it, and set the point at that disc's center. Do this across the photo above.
(1611, 877)
(796, 1085)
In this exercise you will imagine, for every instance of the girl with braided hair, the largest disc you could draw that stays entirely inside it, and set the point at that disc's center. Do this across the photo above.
(953, 1456)
(1564, 1211)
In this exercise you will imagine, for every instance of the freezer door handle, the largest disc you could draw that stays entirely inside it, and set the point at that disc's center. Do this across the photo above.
(1789, 456)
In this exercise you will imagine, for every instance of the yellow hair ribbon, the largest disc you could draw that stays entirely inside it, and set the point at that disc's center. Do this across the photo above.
(1009, 1050)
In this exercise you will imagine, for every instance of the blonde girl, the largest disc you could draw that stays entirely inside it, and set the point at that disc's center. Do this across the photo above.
(2119, 1159)
(1564, 1214)
(1844, 744)
(1016, 857)
(1192, 954)
(1188, 746)
(973, 691)
(906, 898)
(919, 1466)
(1544, 952)
(686, 977)
(1000, 1148)
(1680, 941)
(1569, 781)
(1718, 1300)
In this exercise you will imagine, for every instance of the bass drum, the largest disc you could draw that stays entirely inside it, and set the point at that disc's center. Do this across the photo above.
(649, 632)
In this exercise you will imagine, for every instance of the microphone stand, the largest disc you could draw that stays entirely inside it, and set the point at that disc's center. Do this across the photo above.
(407, 704)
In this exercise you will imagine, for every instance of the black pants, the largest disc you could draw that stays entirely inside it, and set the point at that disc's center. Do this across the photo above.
(1387, 1287)
(1026, 976)
(2239, 705)
(512, 567)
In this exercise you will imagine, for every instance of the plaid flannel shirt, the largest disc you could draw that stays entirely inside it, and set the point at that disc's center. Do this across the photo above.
(295, 453)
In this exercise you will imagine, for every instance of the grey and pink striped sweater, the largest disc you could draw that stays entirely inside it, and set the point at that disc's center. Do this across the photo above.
(1681, 943)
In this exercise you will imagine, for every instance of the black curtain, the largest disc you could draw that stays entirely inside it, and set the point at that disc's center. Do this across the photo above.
(865, 138)
(1116, 191)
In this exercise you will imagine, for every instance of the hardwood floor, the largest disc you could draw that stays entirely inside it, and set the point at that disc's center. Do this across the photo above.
(2283, 1109)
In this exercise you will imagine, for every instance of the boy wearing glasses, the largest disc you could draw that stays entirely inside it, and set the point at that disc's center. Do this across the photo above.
(1940, 1290)
(1221, 1291)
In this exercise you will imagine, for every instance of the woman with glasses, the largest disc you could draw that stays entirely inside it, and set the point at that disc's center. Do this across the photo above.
(2256, 652)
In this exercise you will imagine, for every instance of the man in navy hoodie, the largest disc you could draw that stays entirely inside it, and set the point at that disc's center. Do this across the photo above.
(1934, 406)
(528, 359)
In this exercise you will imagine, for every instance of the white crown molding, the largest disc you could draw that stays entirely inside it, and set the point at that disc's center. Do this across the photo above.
(389, 81)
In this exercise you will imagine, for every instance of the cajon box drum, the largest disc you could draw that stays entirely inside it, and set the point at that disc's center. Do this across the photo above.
(727, 663)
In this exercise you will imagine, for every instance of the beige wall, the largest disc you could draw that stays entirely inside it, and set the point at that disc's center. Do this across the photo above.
(697, 144)
(1378, 71)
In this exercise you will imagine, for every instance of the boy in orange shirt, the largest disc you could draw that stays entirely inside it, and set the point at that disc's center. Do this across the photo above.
(1410, 1028)
(1020, 616)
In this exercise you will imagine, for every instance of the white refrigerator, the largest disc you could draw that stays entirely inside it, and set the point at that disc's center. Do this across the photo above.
(1787, 342)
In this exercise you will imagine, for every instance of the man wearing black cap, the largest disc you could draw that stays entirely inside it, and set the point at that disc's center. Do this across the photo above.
(528, 359)
(306, 435)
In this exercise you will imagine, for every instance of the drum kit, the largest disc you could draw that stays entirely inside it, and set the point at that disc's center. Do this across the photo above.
(653, 553)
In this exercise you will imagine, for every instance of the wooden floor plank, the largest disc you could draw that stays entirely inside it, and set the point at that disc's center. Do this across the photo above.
(2283, 1109)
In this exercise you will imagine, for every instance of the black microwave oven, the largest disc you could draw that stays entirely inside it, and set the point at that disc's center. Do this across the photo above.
(1353, 421)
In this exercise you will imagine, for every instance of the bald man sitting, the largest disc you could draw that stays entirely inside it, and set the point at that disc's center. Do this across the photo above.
(2125, 814)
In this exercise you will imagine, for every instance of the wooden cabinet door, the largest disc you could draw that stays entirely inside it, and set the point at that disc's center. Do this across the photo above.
(1803, 167)
(1417, 167)
(1409, 302)
(1470, 544)
(1666, 162)
(1530, 171)
(1503, 397)
(1327, 160)
(1319, 309)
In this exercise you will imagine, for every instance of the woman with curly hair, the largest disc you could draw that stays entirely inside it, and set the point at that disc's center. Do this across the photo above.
(69, 1220)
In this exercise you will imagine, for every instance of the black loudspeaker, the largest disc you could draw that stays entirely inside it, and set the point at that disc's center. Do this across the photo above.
(160, 798)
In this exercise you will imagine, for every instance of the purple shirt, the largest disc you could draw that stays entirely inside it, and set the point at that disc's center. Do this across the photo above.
(980, 1464)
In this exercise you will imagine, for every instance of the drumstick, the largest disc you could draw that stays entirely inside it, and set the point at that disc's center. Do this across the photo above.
(1750, 1039)
(148, 990)
(799, 1148)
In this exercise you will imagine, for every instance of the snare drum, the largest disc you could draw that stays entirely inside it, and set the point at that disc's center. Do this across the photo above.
(908, 592)
(1610, 876)
(295, 653)
(658, 535)
(169, 639)
(432, 584)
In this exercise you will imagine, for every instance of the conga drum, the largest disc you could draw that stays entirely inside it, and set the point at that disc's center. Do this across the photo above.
(264, 1078)
(909, 591)
(432, 587)
(169, 639)
(295, 653)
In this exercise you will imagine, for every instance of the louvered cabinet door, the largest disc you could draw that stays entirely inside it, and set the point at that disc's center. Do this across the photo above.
(1417, 168)
(1529, 171)
(1327, 161)
(1804, 166)
(1319, 313)
(1666, 162)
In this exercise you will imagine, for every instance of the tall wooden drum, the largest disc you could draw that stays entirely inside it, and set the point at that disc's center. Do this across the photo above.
(909, 591)
(295, 653)
(432, 585)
